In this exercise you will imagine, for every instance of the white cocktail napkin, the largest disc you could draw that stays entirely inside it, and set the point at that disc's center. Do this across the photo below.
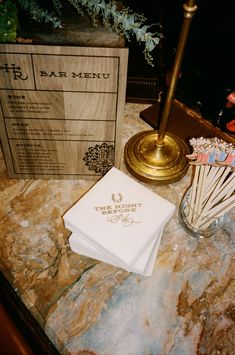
(119, 221)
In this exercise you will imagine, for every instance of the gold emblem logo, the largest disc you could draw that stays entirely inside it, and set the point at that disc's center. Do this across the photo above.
(117, 198)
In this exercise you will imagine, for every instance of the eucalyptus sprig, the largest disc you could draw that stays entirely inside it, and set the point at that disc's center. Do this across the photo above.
(41, 15)
(124, 21)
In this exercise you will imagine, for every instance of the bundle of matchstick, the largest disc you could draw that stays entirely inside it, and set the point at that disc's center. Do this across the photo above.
(212, 191)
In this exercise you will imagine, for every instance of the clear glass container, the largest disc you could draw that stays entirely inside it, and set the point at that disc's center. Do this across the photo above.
(212, 228)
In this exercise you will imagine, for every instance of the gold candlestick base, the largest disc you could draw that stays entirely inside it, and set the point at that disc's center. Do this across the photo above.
(153, 163)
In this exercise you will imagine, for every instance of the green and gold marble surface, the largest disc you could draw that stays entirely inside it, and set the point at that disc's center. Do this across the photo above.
(89, 307)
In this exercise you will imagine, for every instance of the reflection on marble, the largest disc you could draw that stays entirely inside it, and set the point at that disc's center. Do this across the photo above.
(88, 307)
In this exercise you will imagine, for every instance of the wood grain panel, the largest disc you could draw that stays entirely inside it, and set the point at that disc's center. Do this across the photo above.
(61, 109)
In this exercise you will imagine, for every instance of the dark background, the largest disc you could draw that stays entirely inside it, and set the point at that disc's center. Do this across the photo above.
(208, 66)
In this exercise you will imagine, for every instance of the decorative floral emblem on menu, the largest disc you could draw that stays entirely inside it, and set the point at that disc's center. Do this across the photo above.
(100, 158)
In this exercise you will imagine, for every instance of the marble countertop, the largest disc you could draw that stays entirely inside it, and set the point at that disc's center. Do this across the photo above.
(89, 307)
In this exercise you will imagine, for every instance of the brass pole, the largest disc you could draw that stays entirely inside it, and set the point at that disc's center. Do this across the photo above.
(189, 10)
(159, 157)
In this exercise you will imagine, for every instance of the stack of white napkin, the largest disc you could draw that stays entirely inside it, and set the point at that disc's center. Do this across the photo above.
(119, 221)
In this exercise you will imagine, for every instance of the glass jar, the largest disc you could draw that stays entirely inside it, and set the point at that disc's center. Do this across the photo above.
(211, 228)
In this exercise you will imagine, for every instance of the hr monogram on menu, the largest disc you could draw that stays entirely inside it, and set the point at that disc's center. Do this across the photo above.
(14, 70)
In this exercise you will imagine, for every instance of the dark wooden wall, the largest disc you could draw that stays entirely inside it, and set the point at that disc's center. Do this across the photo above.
(208, 63)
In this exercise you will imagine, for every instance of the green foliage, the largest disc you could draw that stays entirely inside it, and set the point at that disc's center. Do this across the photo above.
(124, 21)
(39, 14)
(8, 21)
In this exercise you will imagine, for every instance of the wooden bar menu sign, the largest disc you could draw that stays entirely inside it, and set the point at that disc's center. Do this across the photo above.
(61, 109)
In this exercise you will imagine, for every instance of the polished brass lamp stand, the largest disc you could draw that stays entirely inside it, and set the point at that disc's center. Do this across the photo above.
(158, 157)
